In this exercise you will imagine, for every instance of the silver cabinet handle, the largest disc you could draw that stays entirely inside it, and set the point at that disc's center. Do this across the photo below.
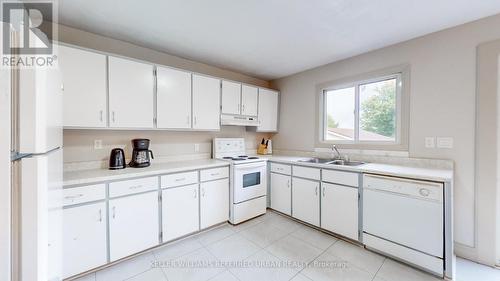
(101, 115)
(100, 215)
(114, 211)
(180, 179)
(316, 190)
(214, 174)
(72, 197)
(324, 188)
(203, 192)
(288, 183)
(113, 116)
(195, 193)
(135, 186)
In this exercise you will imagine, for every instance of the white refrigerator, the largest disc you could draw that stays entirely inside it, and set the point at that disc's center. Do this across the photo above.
(35, 173)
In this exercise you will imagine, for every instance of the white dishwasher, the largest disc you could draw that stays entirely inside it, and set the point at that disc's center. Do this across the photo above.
(405, 219)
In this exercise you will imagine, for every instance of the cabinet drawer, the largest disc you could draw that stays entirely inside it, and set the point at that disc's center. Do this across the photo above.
(306, 172)
(121, 188)
(339, 177)
(179, 179)
(83, 194)
(281, 168)
(213, 174)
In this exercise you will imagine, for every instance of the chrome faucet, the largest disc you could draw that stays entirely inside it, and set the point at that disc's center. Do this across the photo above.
(334, 149)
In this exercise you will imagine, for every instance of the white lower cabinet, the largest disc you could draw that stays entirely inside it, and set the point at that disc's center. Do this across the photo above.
(180, 211)
(339, 209)
(214, 202)
(305, 200)
(133, 224)
(281, 193)
(84, 238)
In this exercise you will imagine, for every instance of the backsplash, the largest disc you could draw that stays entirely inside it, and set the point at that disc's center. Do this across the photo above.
(166, 145)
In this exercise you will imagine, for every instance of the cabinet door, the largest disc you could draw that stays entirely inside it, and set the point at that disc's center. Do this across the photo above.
(214, 202)
(131, 92)
(85, 89)
(206, 103)
(268, 111)
(305, 204)
(173, 100)
(231, 94)
(339, 210)
(249, 100)
(281, 193)
(84, 238)
(133, 224)
(179, 211)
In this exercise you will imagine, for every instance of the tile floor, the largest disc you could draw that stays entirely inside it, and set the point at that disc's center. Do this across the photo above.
(271, 247)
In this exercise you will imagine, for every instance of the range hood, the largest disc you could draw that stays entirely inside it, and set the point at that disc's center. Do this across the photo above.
(238, 120)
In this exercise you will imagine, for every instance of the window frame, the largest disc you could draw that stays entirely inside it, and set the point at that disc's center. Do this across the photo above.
(356, 85)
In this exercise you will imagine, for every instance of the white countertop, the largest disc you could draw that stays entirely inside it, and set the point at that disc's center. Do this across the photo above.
(431, 174)
(99, 175)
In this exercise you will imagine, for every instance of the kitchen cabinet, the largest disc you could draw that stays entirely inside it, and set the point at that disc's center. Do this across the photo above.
(214, 202)
(268, 110)
(131, 93)
(249, 100)
(84, 238)
(231, 97)
(173, 99)
(206, 103)
(339, 209)
(85, 88)
(180, 211)
(305, 200)
(133, 224)
(281, 193)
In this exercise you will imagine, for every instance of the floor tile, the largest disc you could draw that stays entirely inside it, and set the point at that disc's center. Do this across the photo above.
(314, 237)
(213, 235)
(286, 224)
(469, 271)
(154, 274)
(199, 265)
(233, 248)
(126, 269)
(357, 255)
(245, 225)
(264, 266)
(177, 249)
(263, 234)
(225, 276)
(294, 250)
(328, 267)
(395, 271)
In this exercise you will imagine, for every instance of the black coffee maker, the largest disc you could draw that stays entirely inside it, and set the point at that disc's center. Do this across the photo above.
(140, 154)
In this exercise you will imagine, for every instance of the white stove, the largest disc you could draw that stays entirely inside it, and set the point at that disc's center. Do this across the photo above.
(248, 179)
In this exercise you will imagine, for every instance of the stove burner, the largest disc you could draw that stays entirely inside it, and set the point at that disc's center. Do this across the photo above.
(253, 157)
(242, 156)
(238, 159)
(227, 157)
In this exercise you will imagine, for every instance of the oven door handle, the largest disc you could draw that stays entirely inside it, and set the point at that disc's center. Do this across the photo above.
(249, 166)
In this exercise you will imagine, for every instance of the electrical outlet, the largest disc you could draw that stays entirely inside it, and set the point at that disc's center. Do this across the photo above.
(430, 142)
(196, 147)
(97, 144)
(445, 142)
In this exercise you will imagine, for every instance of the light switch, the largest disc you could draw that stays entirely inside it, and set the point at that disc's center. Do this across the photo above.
(97, 144)
(430, 142)
(444, 142)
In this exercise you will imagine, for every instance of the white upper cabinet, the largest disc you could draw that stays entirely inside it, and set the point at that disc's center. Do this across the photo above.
(173, 100)
(268, 110)
(206, 103)
(131, 94)
(249, 100)
(85, 89)
(231, 97)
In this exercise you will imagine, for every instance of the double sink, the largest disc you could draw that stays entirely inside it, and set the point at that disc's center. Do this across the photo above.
(338, 162)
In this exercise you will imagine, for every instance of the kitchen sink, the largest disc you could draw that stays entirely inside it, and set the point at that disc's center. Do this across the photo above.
(331, 161)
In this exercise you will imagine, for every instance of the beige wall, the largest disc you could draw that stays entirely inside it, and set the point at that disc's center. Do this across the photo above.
(442, 103)
(78, 144)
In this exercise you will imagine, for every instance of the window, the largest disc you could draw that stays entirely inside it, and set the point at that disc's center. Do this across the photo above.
(363, 112)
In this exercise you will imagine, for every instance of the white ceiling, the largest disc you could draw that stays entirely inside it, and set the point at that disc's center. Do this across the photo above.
(269, 38)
